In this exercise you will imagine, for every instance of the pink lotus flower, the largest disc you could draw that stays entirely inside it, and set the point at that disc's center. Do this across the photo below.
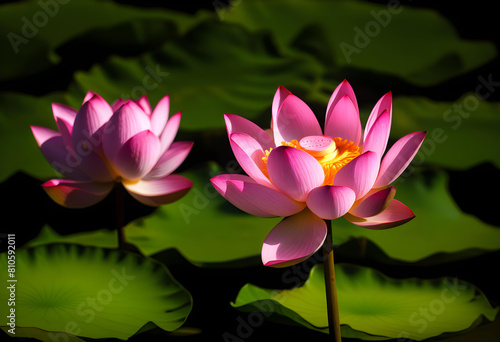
(99, 145)
(298, 171)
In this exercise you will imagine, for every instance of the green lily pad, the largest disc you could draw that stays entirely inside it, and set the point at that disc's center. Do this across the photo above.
(92, 292)
(363, 35)
(461, 134)
(440, 227)
(214, 69)
(373, 306)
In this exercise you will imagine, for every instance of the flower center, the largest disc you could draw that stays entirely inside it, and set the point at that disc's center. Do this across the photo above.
(331, 153)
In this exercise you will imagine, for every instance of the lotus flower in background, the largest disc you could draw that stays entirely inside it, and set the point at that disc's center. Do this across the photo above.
(308, 175)
(99, 145)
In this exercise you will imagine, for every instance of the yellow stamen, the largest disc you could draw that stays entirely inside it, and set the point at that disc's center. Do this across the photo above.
(332, 154)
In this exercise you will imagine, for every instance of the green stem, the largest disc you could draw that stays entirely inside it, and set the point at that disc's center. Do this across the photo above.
(120, 216)
(331, 286)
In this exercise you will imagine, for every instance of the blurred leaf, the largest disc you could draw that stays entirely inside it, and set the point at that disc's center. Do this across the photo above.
(373, 306)
(93, 292)
(439, 226)
(388, 39)
(102, 238)
(19, 150)
(215, 69)
(461, 134)
(35, 29)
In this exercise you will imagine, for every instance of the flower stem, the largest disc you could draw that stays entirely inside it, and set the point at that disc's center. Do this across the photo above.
(120, 215)
(331, 286)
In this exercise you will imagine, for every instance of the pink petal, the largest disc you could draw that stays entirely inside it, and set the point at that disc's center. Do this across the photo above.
(42, 134)
(383, 104)
(138, 155)
(126, 122)
(343, 89)
(170, 131)
(143, 102)
(237, 124)
(57, 153)
(90, 121)
(64, 112)
(249, 154)
(342, 120)
(294, 239)
(170, 160)
(159, 117)
(88, 130)
(254, 198)
(76, 194)
(374, 203)
(294, 120)
(294, 172)
(394, 215)
(159, 191)
(280, 96)
(399, 157)
(330, 202)
(377, 138)
(359, 174)
(117, 104)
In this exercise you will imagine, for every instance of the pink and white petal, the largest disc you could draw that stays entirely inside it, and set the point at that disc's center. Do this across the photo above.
(359, 174)
(170, 160)
(382, 105)
(42, 134)
(64, 112)
(237, 124)
(59, 156)
(143, 102)
(159, 117)
(76, 194)
(280, 96)
(90, 94)
(399, 157)
(126, 122)
(249, 154)
(117, 104)
(260, 200)
(170, 131)
(294, 120)
(394, 215)
(343, 121)
(330, 202)
(376, 140)
(374, 203)
(89, 124)
(343, 89)
(294, 172)
(220, 181)
(159, 191)
(294, 239)
(137, 156)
